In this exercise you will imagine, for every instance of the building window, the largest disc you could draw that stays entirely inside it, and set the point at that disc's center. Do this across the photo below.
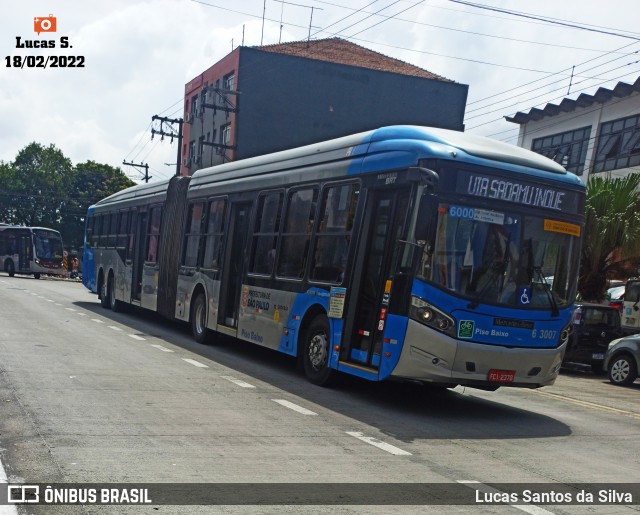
(618, 144)
(567, 148)
(225, 134)
(228, 81)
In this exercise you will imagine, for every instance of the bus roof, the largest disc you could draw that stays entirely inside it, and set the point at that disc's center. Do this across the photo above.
(412, 142)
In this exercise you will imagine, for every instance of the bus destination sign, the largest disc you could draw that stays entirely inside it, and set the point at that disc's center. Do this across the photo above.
(518, 192)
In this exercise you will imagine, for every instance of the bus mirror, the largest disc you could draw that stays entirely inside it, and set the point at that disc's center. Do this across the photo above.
(427, 219)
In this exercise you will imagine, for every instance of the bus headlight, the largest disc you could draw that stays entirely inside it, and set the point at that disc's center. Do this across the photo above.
(427, 314)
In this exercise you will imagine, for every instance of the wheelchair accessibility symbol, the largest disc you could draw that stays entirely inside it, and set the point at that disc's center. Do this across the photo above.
(524, 295)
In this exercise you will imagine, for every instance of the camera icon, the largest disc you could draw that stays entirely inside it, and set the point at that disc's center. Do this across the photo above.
(19, 494)
(48, 24)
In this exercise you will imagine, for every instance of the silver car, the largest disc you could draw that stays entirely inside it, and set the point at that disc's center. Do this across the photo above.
(622, 360)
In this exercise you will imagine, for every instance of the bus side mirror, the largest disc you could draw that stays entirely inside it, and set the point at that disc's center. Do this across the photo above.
(427, 219)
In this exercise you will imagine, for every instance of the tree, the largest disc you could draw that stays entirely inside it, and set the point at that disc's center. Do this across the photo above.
(43, 188)
(612, 232)
(89, 183)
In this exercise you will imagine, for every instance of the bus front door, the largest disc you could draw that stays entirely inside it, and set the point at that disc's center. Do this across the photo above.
(25, 252)
(384, 218)
(139, 230)
(233, 268)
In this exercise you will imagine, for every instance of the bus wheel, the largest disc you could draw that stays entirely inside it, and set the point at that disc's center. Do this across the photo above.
(104, 294)
(9, 268)
(114, 304)
(199, 319)
(36, 276)
(316, 352)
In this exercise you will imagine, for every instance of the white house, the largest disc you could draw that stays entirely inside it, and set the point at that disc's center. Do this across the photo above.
(591, 134)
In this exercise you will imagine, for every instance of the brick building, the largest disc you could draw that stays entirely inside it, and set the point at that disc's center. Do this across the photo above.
(258, 100)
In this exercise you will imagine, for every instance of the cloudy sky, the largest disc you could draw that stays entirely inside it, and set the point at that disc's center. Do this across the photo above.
(139, 54)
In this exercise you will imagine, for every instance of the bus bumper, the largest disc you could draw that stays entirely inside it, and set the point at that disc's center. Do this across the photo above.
(433, 357)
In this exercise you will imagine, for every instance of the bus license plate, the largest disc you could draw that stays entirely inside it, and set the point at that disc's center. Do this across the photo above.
(501, 376)
(597, 355)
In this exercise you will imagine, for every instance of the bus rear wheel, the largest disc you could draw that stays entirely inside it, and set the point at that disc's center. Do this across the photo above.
(114, 304)
(9, 268)
(199, 319)
(36, 276)
(315, 357)
(104, 294)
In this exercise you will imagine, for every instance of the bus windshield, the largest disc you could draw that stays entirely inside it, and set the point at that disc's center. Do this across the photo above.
(503, 257)
(48, 245)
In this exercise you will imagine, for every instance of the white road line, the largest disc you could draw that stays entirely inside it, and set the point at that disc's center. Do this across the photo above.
(163, 349)
(238, 382)
(195, 363)
(379, 444)
(81, 314)
(527, 508)
(70, 309)
(136, 337)
(294, 407)
(33, 293)
(97, 321)
(49, 300)
(114, 328)
(58, 304)
(8, 509)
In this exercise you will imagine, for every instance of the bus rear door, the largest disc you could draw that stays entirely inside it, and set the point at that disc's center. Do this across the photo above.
(233, 268)
(384, 220)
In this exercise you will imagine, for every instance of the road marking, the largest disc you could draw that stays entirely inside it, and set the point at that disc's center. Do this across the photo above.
(588, 404)
(136, 337)
(70, 309)
(239, 382)
(392, 449)
(527, 508)
(294, 407)
(32, 293)
(97, 321)
(114, 328)
(195, 363)
(81, 314)
(57, 304)
(163, 349)
(49, 300)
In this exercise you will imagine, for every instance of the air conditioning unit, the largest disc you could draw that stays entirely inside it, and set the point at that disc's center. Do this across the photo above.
(189, 117)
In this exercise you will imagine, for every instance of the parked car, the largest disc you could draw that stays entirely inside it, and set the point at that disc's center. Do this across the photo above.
(594, 326)
(615, 297)
(622, 360)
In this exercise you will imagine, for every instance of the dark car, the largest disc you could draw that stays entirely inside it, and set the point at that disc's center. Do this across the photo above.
(622, 360)
(594, 326)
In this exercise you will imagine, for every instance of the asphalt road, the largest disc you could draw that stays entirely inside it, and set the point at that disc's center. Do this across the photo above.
(91, 396)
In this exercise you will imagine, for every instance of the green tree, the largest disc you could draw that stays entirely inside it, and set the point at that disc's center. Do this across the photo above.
(35, 186)
(89, 183)
(42, 188)
(612, 232)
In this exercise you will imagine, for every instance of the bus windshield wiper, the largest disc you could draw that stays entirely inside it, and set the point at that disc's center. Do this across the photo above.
(547, 288)
(497, 270)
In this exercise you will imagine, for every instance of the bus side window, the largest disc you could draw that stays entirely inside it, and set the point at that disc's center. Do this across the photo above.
(89, 232)
(213, 236)
(265, 236)
(296, 237)
(153, 234)
(191, 246)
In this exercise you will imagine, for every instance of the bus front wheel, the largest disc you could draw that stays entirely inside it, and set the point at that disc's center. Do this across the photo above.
(317, 345)
(36, 276)
(199, 319)
(104, 294)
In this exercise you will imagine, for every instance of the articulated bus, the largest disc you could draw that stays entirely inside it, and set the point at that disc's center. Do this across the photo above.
(30, 251)
(405, 253)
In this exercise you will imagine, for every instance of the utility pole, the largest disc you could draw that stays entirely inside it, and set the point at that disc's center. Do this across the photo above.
(171, 133)
(137, 167)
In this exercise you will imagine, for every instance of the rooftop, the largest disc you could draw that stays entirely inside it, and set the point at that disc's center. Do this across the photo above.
(622, 89)
(341, 51)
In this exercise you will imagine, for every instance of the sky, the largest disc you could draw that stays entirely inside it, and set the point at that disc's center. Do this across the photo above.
(139, 54)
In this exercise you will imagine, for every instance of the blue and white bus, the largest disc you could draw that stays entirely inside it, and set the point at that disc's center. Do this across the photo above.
(400, 253)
